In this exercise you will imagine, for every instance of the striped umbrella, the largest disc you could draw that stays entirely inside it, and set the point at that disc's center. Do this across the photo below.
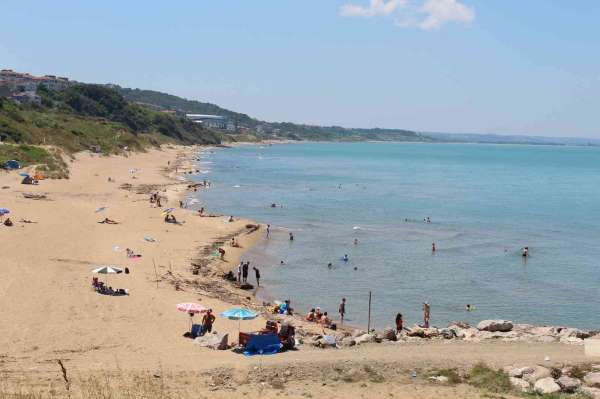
(108, 270)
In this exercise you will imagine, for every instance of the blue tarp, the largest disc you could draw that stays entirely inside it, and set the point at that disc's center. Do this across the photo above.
(12, 164)
(262, 344)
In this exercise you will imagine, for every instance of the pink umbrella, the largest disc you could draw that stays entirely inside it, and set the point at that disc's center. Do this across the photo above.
(191, 309)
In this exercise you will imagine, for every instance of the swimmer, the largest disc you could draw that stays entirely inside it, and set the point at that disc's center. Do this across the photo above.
(525, 252)
(345, 258)
(282, 263)
(356, 241)
(469, 308)
(291, 237)
(329, 265)
(355, 268)
(433, 247)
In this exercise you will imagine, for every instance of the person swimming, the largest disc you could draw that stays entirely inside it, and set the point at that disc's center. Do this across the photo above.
(329, 265)
(345, 258)
(469, 307)
(525, 252)
(433, 247)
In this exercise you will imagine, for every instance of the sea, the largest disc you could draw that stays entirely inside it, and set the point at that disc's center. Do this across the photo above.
(484, 204)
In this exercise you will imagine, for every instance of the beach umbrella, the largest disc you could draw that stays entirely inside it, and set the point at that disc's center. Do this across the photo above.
(168, 210)
(108, 270)
(191, 309)
(239, 314)
(24, 174)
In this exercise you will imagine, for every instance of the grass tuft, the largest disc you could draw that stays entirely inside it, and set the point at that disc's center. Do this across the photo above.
(484, 377)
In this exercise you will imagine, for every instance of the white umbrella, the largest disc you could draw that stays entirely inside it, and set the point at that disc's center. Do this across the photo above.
(108, 270)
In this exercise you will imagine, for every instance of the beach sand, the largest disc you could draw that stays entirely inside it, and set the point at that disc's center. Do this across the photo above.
(49, 311)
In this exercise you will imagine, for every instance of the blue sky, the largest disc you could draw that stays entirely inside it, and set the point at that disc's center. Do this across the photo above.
(493, 66)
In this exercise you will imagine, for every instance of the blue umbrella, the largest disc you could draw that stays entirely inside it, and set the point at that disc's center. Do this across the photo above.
(4, 211)
(24, 174)
(239, 314)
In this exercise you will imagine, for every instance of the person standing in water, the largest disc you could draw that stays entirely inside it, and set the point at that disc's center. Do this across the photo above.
(268, 230)
(433, 247)
(426, 314)
(257, 275)
(342, 310)
(239, 272)
(356, 241)
(245, 271)
(291, 237)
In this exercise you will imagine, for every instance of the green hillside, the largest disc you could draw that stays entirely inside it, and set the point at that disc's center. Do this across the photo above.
(253, 129)
(89, 116)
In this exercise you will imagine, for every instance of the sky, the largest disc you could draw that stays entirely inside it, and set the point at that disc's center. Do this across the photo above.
(467, 66)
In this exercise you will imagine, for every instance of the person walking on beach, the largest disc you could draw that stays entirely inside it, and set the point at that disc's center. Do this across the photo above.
(239, 272)
(342, 310)
(268, 230)
(426, 314)
(257, 275)
(245, 272)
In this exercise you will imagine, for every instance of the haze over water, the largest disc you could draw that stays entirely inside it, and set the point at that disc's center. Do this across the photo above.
(485, 203)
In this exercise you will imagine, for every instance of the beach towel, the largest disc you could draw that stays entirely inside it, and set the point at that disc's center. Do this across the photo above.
(262, 344)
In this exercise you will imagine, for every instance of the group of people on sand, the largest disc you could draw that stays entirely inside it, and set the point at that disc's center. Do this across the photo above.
(170, 218)
(315, 315)
(155, 200)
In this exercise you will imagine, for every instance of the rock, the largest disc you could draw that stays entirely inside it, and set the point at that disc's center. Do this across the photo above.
(327, 341)
(458, 331)
(520, 384)
(523, 328)
(495, 325)
(347, 342)
(470, 334)
(416, 331)
(593, 393)
(365, 339)
(545, 331)
(538, 374)
(546, 338)
(592, 379)
(447, 333)
(573, 333)
(358, 333)
(518, 372)
(213, 341)
(568, 384)
(546, 385)
(571, 340)
(439, 378)
(389, 334)
(431, 332)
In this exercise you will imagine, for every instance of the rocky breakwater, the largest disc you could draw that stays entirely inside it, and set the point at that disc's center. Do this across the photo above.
(543, 380)
(503, 330)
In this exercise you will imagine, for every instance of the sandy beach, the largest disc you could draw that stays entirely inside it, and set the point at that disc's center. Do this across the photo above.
(50, 312)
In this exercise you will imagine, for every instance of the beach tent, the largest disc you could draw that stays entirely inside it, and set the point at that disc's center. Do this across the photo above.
(262, 344)
(12, 164)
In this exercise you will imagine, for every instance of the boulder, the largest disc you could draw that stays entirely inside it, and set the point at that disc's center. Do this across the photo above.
(358, 333)
(458, 331)
(592, 379)
(365, 339)
(520, 384)
(347, 342)
(416, 331)
(495, 325)
(545, 331)
(213, 341)
(593, 393)
(389, 334)
(431, 332)
(447, 333)
(568, 384)
(470, 334)
(538, 374)
(573, 333)
(518, 372)
(546, 386)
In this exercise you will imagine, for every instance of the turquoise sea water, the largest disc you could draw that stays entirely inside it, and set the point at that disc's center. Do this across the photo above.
(485, 203)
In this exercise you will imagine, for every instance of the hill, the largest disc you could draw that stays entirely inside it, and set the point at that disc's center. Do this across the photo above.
(88, 116)
(249, 128)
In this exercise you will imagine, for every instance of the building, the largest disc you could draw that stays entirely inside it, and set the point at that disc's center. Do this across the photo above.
(211, 121)
(26, 82)
(26, 97)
